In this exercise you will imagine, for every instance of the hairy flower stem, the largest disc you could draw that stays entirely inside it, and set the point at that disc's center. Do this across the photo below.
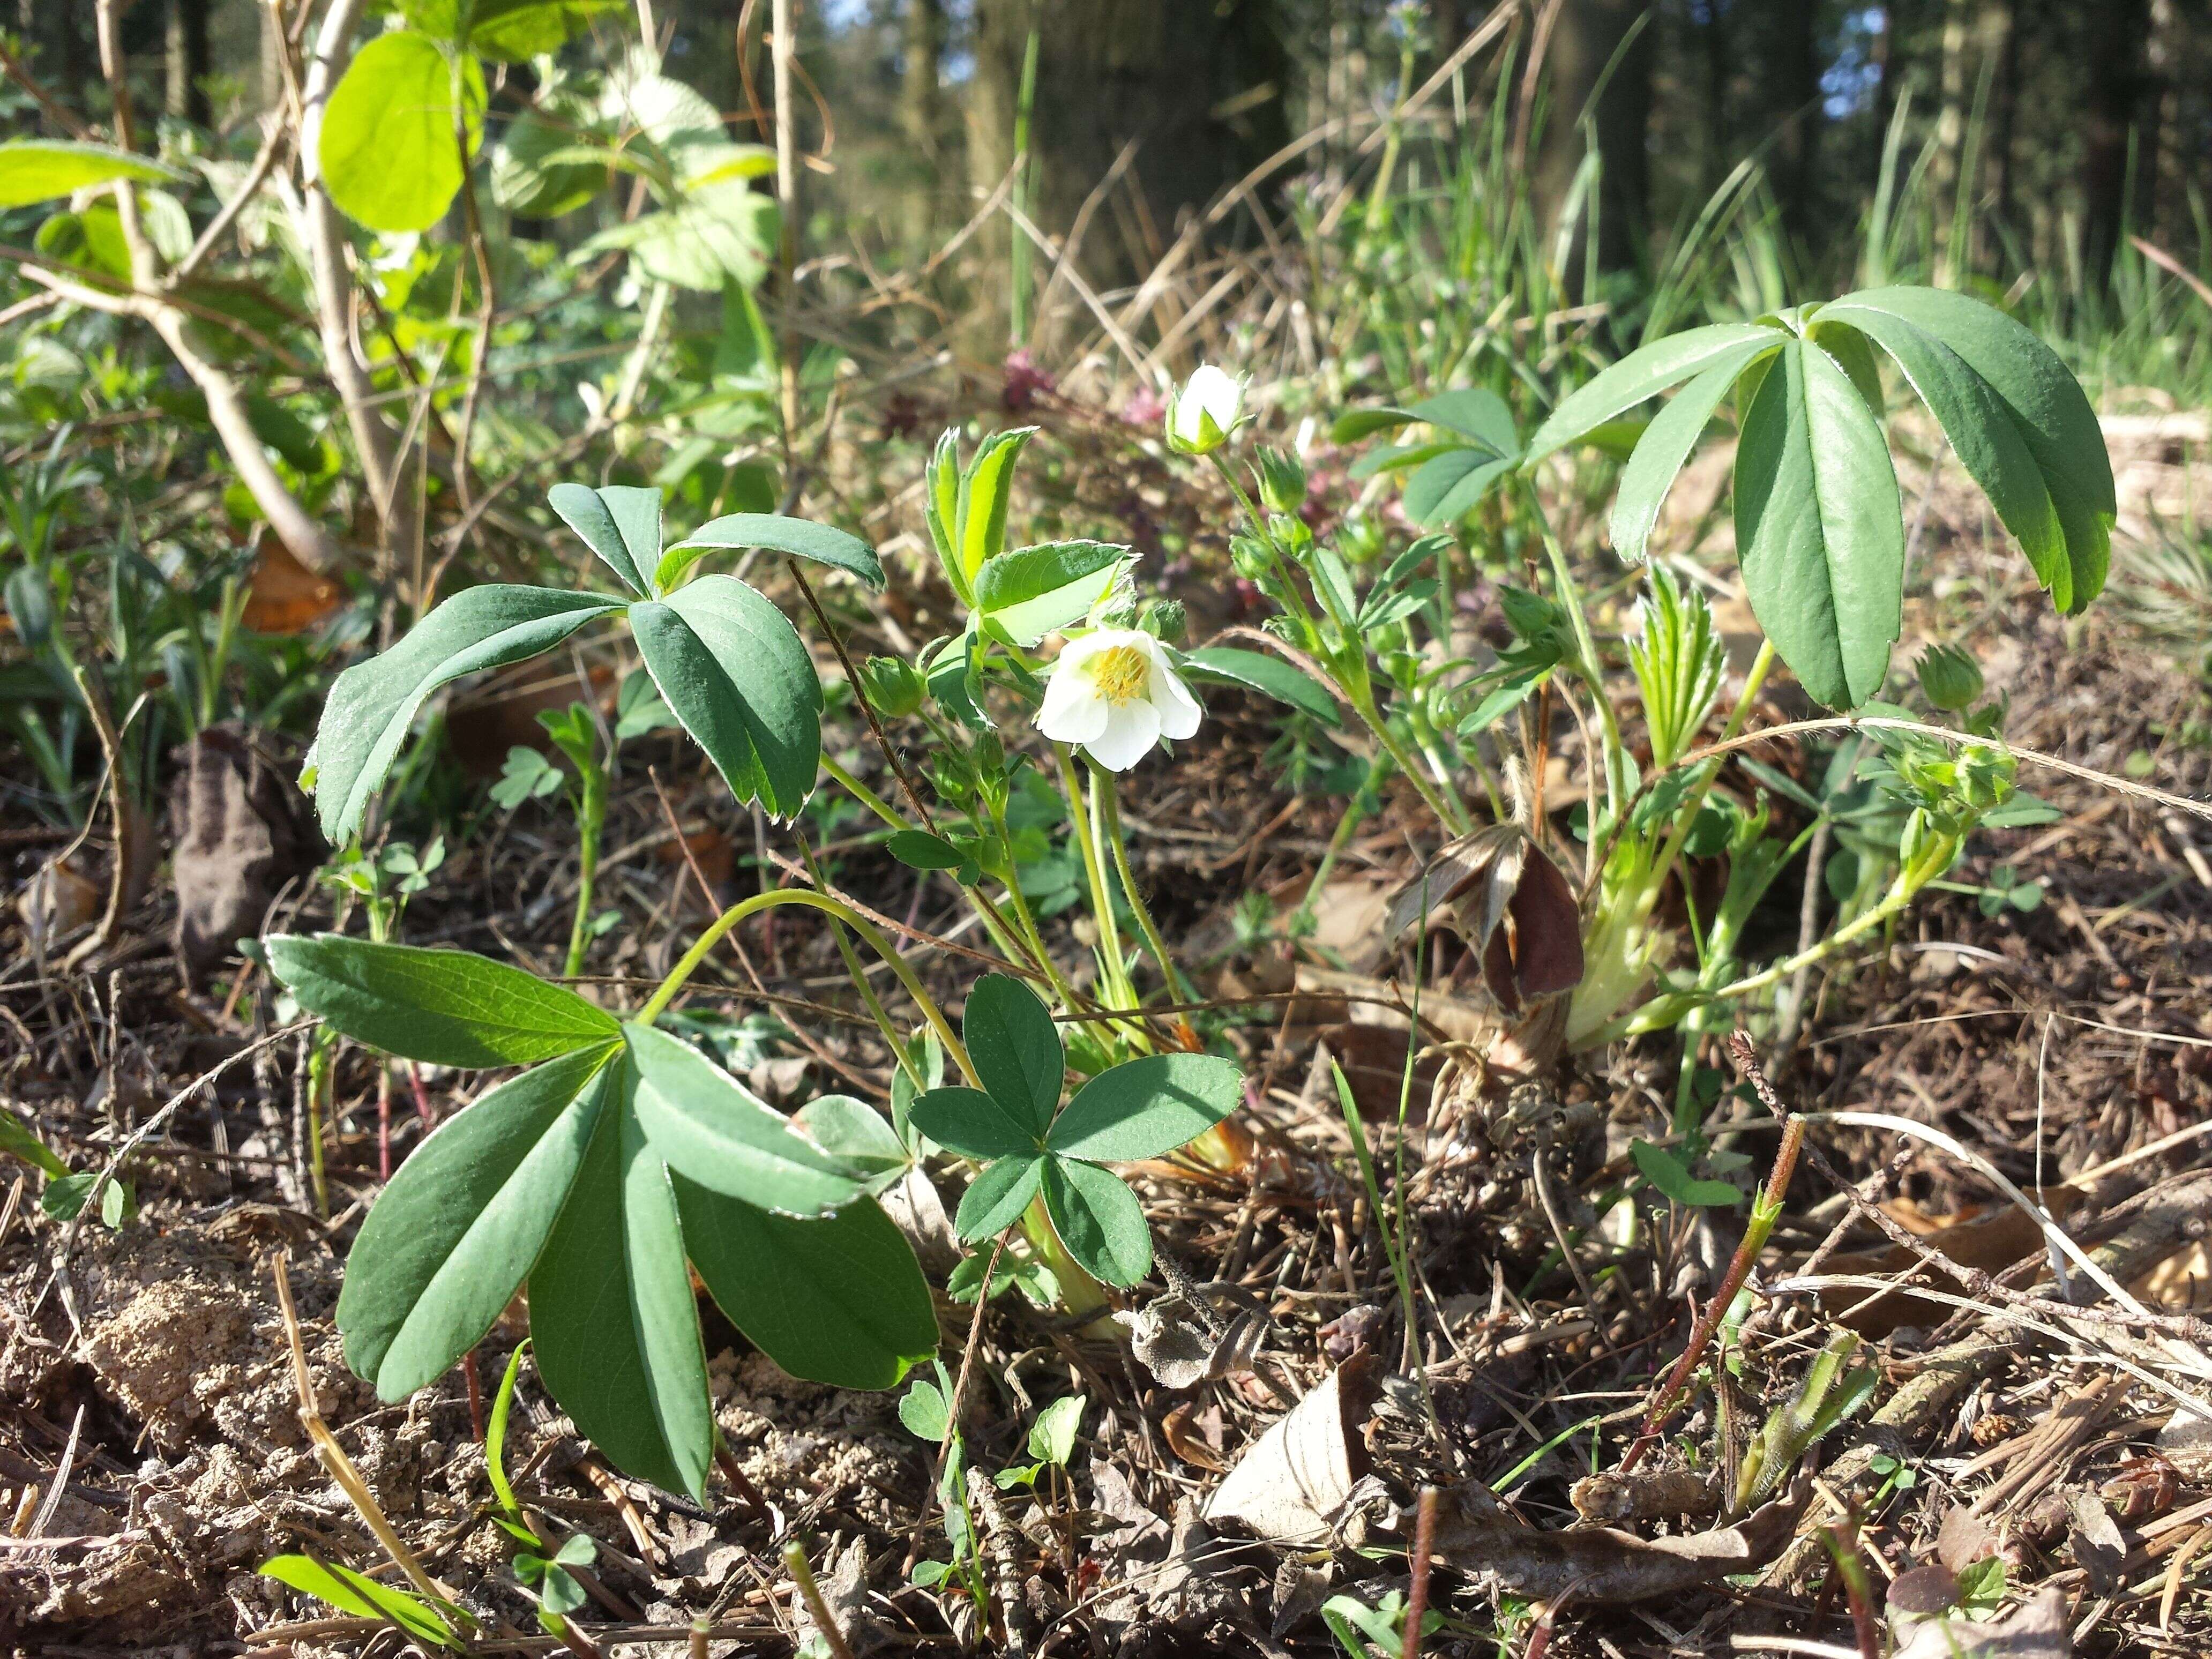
(1113, 976)
(1109, 807)
(1766, 1211)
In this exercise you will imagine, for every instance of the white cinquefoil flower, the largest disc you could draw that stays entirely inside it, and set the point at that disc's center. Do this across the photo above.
(1115, 694)
(1205, 411)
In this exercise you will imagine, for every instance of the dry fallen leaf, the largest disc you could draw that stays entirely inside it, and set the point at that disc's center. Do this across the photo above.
(1291, 1482)
(2037, 1630)
(244, 833)
(283, 595)
(1195, 1437)
(1498, 891)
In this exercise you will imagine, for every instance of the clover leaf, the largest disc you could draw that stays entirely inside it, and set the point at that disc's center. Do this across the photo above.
(1139, 1109)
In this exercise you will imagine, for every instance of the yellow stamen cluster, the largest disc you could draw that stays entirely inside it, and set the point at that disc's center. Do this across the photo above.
(1121, 674)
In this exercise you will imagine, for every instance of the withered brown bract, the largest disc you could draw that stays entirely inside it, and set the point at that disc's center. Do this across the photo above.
(1499, 892)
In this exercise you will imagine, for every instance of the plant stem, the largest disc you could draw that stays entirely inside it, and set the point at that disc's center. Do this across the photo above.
(860, 978)
(591, 821)
(1110, 807)
(1593, 671)
(1110, 970)
(825, 1622)
(860, 793)
(738, 913)
(1355, 814)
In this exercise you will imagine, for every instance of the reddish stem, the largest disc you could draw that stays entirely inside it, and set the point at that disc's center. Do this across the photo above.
(1417, 1598)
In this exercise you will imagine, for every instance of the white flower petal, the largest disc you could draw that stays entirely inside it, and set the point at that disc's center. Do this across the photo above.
(1074, 711)
(1131, 729)
(1179, 710)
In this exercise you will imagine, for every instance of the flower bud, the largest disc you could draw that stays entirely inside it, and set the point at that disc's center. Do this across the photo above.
(1282, 482)
(1204, 411)
(1248, 557)
(892, 686)
(1949, 678)
(1165, 619)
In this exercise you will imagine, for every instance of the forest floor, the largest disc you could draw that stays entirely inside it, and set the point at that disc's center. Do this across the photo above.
(151, 1448)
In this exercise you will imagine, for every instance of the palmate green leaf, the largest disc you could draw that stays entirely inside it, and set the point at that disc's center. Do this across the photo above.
(994, 1200)
(972, 1123)
(986, 485)
(1673, 1178)
(454, 1235)
(443, 1007)
(612, 1313)
(1944, 342)
(1820, 528)
(355, 1592)
(1255, 670)
(371, 706)
(840, 1300)
(1445, 489)
(620, 523)
(1099, 1219)
(1642, 375)
(1665, 447)
(1146, 1108)
(46, 169)
(387, 149)
(733, 670)
(1015, 1050)
(705, 1123)
(1031, 591)
(824, 543)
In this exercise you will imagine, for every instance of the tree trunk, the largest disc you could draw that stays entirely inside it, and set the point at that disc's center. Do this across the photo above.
(922, 110)
(2119, 91)
(1792, 85)
(186, 54)
(1585, 41)
(1198, 87)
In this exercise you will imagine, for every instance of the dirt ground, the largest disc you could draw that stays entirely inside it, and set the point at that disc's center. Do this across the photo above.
(152, 1452)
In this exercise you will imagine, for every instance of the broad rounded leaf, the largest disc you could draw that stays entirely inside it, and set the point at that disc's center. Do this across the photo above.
(824, 543)
(1443, 489)
(1642, 375)
(1255, 670)
(371, 706)
(731, 667)
(840, 1301)
(1820, 528)
(443, 1007)
(44, 169)
(612, 1318)
(1031, 591)
(1015, 1050)
(972, 1123)
(389, 148)
(452, 1237)
(1144, 1108)
(516, 31)
(918, 849)
(1666, 444)
(705, 1123)
(1099, 1219)
(717, 231)
(620, 523)
(994, 1200)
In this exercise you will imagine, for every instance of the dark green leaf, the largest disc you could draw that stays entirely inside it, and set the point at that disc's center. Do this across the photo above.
(16, 1137)
(1015, 1050)
(732, 668)
(801, 538)
(994, 1200)
(444, 1007)
(619, 523)
(1255, 670)
(1028, 593)
(371, 706)
(1643, 374)
(705, 1123)
(1475, 412)
(450, 1240)
(923, 1410)
(1672, 1177)
(387, 151)
(1444, 490)
(1819, 529)
(1145, 1107)
(918, 849)
(1666, 444)
(46, 169)
(1099, 1219)
(839, 1300)
(612, 1318)
(972, 1123)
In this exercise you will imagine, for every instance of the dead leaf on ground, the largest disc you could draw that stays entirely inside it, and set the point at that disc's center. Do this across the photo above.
(56, 902)
(1500, 893)
(2037, 1630)
(1965, 1538)
(1989, 1238)
(244, 832)
(1293, 1481)
(2099, 1549)
(283, 595)
(1195, 1435)
(1179, 1344)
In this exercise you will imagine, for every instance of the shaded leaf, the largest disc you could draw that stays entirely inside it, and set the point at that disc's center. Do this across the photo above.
(1099, 1219)
(801, 537)
(1666, 444)
(994, 1200)
(972, 1123)
(1257, 671)
(620, 523)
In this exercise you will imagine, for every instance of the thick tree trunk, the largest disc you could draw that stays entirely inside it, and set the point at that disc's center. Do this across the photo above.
(922, 109)
(1588, 37)
(186, 54)
(1792, 126)
(2120, 96)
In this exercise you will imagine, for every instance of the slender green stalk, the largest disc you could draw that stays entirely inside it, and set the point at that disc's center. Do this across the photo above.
(1592, 669)
(1355, 814)
(591, 822)
(1110, 807)
(1111, 971)
(860, 793)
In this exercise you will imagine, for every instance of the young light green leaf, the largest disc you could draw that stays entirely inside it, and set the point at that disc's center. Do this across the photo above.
(1819, 529)
(386, 151)
(452, 1237)
(1673, 1178)
(354, 1593)
(732, 668)
(856, 1133)
(840, 1300)
(1642, 375)
(1666, 446)
(502, 1402)
(923, 1410)
(1147, 1107)
(443, 1007)
(1028, 593)
(1016, 1048)
(620, 523)
(1444, 490)
(941, 500)
(703, 1122)
(46, 169)
(1051, 1437)
(994, 1200)
(1255, 670)
(371, 706)
(972, 1123)
(986, 485)
(1099, 1219)
(16, 1138)
(612, 1318)
(824, 543)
